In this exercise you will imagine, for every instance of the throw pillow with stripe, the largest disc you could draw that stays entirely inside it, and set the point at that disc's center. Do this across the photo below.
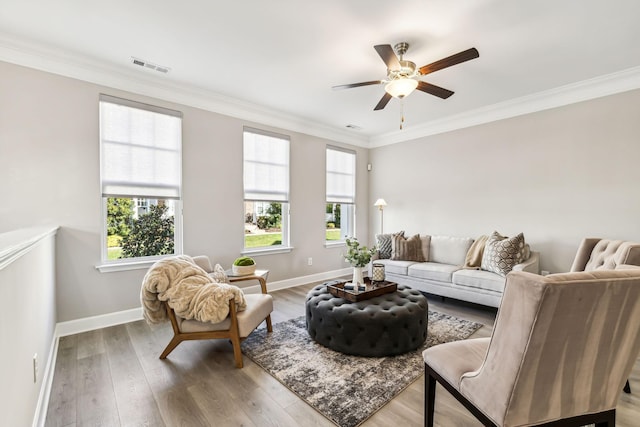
(383, 243)
(403, 249)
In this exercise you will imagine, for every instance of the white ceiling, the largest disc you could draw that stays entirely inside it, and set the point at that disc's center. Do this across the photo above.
(281, 57)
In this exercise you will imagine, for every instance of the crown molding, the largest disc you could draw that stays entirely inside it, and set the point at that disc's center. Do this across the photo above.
(54, 61)
(585, 90)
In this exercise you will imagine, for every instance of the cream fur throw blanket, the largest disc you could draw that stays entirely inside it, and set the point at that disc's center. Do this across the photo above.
(189, 291)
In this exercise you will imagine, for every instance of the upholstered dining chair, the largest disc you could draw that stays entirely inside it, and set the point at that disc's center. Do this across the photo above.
(236, 327)
(595, 253)
(561, 349)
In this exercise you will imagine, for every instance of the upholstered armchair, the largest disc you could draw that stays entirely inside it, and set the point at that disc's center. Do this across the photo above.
(561, 349)
(605, 254)
(243, 316)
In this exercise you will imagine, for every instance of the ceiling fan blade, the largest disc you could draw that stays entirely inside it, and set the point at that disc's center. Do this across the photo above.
(383, 102)
(458, 58)
(438, 91)
(388, 56)
(372, 82)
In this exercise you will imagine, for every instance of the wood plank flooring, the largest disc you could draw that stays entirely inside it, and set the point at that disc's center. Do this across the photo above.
(113, 377)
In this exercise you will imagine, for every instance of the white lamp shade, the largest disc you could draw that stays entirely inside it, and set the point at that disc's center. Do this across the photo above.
(380, 203)
(401, 87)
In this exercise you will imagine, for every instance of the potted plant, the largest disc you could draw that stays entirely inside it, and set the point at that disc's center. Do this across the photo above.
(358, 256)
(243, 266)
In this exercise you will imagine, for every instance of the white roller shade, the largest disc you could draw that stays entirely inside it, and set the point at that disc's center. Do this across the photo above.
(140, 150)
(341, 176)
(266, 167)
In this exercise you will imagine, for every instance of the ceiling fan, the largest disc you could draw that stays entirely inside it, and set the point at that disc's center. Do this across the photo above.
(403, 77)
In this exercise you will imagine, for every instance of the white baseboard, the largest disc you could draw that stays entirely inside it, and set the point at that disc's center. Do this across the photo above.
(119, 317)
(97, 322)
(111, 319)
(45, 388)
(303, 280)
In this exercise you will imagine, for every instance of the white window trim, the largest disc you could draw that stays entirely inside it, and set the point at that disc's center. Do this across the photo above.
(334, 243)
(136, 263)
(268, 250)
(285, 247)
(342, 240)
(124, 264)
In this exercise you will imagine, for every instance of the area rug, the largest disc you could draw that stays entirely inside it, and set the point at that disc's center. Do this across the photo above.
(345, 389)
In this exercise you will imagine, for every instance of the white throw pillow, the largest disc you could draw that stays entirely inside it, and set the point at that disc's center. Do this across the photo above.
(449, 250)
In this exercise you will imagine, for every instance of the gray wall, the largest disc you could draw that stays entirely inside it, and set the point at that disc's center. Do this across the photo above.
(27, 319)
(557, 176)
(49, 168)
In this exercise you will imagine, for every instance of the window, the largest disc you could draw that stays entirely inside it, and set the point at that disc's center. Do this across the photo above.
(266, 190)
(140, 175)
(341, 194)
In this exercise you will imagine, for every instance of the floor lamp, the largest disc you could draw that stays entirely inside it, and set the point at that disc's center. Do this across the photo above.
(380, 204)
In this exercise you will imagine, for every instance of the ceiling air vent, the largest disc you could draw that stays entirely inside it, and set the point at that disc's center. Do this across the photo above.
(150, 65)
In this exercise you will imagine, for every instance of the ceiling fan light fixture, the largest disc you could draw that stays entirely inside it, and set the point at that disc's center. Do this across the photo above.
(400, 88)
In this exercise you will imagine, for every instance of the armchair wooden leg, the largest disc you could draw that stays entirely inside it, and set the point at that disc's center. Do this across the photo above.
(172, 344)
(270, 327)
(237, 352)
(429, 398)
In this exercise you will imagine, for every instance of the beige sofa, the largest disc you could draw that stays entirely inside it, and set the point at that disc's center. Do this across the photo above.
(443, 273)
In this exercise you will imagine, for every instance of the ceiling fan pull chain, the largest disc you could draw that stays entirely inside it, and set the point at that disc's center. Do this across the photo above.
(401, 113)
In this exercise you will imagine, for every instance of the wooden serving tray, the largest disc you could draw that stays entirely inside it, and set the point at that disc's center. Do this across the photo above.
(371, 290)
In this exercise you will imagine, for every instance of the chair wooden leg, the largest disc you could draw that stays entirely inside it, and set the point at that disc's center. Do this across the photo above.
(627, 388)
(270, 327)
(429, 399)
(237, 352)
(172, 344)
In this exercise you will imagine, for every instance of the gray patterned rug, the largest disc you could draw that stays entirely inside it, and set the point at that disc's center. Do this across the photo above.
(345, 389)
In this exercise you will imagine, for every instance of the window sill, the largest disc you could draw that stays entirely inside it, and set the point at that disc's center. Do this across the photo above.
(335, 244)
(270, 251)
(127, 265)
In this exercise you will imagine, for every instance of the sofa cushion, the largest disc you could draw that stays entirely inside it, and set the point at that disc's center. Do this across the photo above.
(449, 250)
(395, 267)
(502, 253)
(479, 279)
(406, 249)
(432, 271)
(383, 243)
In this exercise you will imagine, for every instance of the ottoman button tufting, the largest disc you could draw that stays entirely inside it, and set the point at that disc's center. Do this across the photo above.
(381, 326)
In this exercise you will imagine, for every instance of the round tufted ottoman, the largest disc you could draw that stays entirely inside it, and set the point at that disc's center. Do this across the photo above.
(386, 325)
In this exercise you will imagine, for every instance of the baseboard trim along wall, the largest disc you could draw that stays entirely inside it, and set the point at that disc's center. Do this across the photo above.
(77, 326)
(85, 324)
(40, 414)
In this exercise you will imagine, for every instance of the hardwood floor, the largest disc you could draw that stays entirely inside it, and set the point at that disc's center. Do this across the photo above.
(113, 377)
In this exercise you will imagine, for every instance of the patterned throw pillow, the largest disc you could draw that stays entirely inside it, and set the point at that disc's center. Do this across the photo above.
(383, 242)
(407, 249)
(502, 253)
